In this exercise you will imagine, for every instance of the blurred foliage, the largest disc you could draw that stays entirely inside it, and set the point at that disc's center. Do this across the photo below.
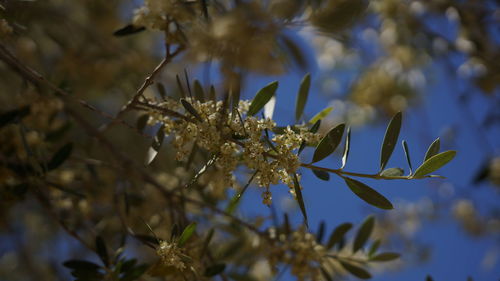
(72, 103)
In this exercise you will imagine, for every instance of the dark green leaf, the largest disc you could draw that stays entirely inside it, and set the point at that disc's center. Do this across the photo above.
(321, 232)
(128, 30)
(13, 115)
(206, 242)
(374, 248)
(142, 121)
(179, 85)
(325, 274)
(211, 93)
(199, 93)
(286, 224)
(356, 270)
(161, 90)
(189, 108)
(347, 145)
(134, 273)
(262, 97)
(174, 232)
(435, 162)
(390, 139)
(101, 250)
(322, 175)
(335, 16)
(302, 96)
(429, 278)
(382, 257)
(147, 240)
(407, 154)
(392, 172)
(338, 234)
(60, 156)
(313, 129)
(155, 146)
(368, 194)
(81, 265)
(127, 264)
(214, 270)
(363, 234)
(236, 199)
(186, 234)
(322, 114)
(300, 199)
(433, 149)
(329, 143)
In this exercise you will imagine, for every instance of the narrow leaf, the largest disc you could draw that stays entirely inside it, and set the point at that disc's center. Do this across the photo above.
(322, 175)
(179, 85)
(356, 270)
(329, 143)
(322, 114)
(338, 234)
(262, 97)
(321, 232)
(13, 115)
(435, 162)
(347, 145)
(60, 156)
(161, 90)
(368, 194)
(363, 234)
(313, 129)
(101, 250)
(325, 274)
(392, 172)
(429, 278)
(382, 257)
(390, 139)
(155, 146)
(214, 270)
(128, 30)
(236, 199)
(186, 234)
(407, 154)
(433, 149)
(142, 122)
(198, 91)
(300, 199)
(206, 242)
(374, 247)
(212, 95)
(269, 108)
(189, 108)
(81, 265)
(302, 96)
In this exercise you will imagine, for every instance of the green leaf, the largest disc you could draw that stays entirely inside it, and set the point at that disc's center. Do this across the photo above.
(161, 90)
(347, 145)
(325, 274)
(13, 115)
(142, 121)
(198, 91)
(407, 153)
(236, 199)
(212, 95)
(338, 234)
(429, 278)
(321, 232)
(206, 242)
(383, 257)
(329, 143)
(262, 97)
(101, 250)
(300, 199)
(435, 162)
(355, 270)
(155, 146)
(214, 270)
(269, 108)
(322, 175)
(129, 29)
(433, 149)
(390, 139)
(313, 129)
(189, 108)
(374, 247)
(392, 172)
(186, 234)
(179, 85)
(368, 194)
(60, 156)
(302, 96)
(81, 265)
(363, 234)
(135, 273)
(322, 114)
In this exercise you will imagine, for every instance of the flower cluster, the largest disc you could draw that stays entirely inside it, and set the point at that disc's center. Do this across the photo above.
(234, 140)
(301, 251)
(171, 255)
